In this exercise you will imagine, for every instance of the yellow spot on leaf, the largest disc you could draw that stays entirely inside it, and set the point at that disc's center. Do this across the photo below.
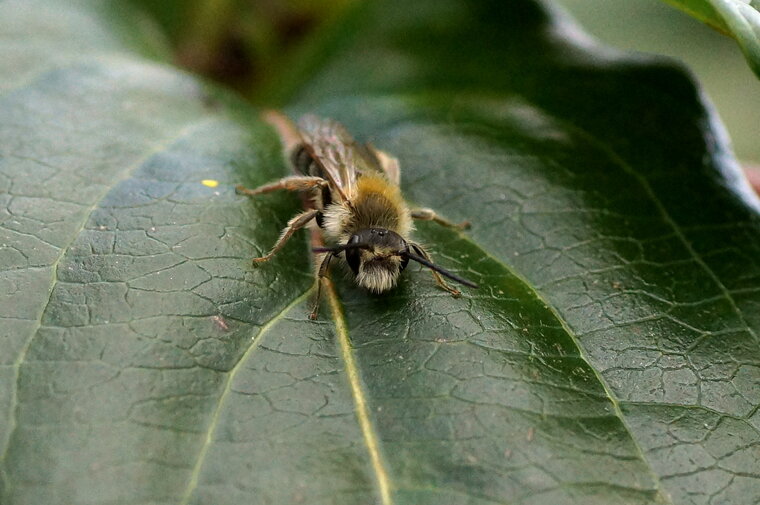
(211, 183)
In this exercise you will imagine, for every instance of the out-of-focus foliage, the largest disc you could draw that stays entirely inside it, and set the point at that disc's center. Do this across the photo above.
(242, 43)
(656, 27)
(739, 19)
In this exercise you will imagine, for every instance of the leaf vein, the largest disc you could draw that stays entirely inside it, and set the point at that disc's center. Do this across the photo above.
(566, 327)
(211, 430)
(668, 219)
(122, 176)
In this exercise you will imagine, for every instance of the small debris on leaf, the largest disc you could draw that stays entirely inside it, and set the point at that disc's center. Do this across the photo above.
(220, 323)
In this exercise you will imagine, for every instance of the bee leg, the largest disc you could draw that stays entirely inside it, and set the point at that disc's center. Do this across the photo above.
(321, 273)
(425, 214)
(296, 223)
(291, 183)
(438, 279)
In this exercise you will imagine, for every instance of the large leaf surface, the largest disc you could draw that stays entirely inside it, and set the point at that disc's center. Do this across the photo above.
(610, 356)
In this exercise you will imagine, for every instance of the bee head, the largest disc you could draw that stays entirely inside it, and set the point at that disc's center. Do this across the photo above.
(380, 260)
(377, 256)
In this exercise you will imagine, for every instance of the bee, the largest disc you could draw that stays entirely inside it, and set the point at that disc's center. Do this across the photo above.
(352, 193)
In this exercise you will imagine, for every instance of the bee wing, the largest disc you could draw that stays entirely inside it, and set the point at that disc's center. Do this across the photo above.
(384, 163)
(286, 129)
(335, 150)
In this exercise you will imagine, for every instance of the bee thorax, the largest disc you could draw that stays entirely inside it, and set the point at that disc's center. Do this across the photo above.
(336, 220)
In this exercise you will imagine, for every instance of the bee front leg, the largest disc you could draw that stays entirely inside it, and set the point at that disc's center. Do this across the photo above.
(296, 223)
(426, 214)
(321, 273)
(291, 183)
(438, 279)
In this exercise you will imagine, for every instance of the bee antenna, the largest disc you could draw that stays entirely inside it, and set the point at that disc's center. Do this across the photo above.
(442, 271)
(340, 248)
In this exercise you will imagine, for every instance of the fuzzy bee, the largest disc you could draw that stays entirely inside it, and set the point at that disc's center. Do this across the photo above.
(354, 197)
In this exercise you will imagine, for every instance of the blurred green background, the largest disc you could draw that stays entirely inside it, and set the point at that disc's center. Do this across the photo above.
(651, 26)
(244, 43)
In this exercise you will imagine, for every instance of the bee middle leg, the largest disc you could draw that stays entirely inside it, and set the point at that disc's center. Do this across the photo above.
(438, 279)
(321, 273)
(295, 224)
(425, 214)
(290, 183)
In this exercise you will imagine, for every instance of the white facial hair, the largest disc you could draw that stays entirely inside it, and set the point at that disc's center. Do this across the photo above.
(377, 279)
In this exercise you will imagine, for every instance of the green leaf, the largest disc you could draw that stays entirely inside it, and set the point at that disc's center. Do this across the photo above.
(739, 19)
(610, 355)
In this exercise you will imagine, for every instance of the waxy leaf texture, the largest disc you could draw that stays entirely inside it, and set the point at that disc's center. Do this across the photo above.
(611, 354)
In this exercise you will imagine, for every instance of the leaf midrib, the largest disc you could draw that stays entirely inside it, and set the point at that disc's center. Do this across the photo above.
(357, 393)
(371, 439)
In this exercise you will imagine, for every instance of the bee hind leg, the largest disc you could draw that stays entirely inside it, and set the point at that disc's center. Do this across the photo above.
(291, 183)
(425, 214)
(295, 224)
(321, 273)
(438, 279)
